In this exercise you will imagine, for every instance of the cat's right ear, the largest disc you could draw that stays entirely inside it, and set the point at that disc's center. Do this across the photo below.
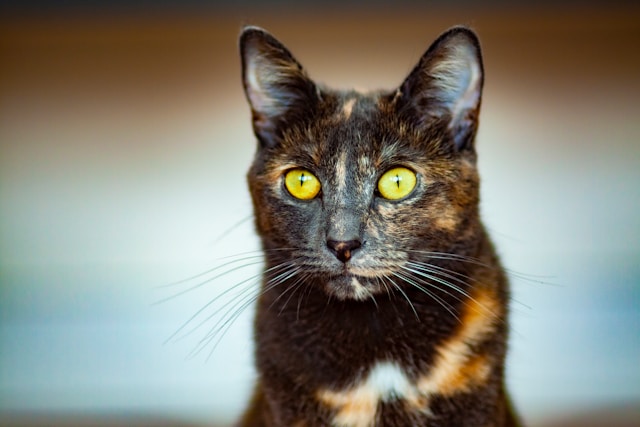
(277, 87)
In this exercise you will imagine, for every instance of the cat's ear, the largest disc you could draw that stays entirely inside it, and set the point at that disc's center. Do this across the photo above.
(277, 87)
(447, 85)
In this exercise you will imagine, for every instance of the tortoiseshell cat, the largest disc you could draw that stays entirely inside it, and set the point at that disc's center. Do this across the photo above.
(383, 302)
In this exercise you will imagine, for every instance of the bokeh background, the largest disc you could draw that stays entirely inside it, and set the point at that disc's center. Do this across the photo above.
(125, 139)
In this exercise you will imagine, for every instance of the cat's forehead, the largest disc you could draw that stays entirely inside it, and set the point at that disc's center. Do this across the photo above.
(361, 128)
(351, 123)
(355, 129)
(354, 105)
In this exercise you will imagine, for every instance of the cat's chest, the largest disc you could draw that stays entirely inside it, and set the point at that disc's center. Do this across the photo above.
(358, 405)
(389, 395)
(376, 372)
(343, 343)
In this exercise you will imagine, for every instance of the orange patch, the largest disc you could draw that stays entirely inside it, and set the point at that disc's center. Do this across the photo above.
(482, 311)
(456, 368)
(355, 408)
(446, 217)
(347, 108)
(474, 373)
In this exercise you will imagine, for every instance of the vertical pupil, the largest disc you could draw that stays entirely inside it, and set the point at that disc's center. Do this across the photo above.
(397, 179)
(302, 179)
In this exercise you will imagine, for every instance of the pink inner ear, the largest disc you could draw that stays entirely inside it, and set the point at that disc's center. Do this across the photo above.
(267, 85)
(257, 97)
(469, 96)
(458, 79)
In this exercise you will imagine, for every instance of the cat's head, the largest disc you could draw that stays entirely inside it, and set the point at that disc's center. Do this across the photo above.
(356, 191)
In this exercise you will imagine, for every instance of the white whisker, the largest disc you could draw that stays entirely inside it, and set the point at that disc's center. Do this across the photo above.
(219, 329)
(404, 294)
(426, 275)
(435, 297)
(209, 280)
(207, 305)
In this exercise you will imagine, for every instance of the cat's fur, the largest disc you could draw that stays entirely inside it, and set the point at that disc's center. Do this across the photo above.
(405, 323)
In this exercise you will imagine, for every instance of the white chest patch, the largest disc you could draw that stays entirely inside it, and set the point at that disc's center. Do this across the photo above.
(357, 406)
(456, 368)
(388, 381)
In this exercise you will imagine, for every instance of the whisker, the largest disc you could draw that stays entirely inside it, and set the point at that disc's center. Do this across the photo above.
(431, 275)
(380, 281)
(451, 257)
(445, 272)
(448, 285)
(419, 286)
(445, 256)
(218, 267)
(430, 269)
(252, 280)
(404, 294)
(281, 273)
(221, 330)
(304, 277)
(457, 289)
(243, 256)
(280, 280)
(224, 324)
(436, 279)
(373, 298)
(531, 278)
(232, 228)
(204, 282)
(294, 288)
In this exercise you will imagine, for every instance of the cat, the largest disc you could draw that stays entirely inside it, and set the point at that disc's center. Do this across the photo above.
(383, 302)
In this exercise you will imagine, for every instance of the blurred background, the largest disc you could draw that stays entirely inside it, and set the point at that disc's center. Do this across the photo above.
(124, 143)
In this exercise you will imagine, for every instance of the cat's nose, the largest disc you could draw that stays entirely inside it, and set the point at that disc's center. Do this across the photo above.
(343, 249)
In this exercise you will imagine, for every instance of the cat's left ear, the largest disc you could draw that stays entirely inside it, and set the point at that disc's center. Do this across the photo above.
(447, 85)
(277, 87)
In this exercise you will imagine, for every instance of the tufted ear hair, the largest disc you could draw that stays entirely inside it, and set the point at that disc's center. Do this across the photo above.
(447, 85)
(277, 87)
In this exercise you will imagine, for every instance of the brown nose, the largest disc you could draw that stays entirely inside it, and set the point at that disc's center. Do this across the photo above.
(343, 249)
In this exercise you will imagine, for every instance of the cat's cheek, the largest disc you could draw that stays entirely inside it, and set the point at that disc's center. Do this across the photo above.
(390, 215)
(395, 222)
(444, 215)
(295, 221)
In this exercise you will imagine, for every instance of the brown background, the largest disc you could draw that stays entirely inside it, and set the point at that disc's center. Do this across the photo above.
(124, 138)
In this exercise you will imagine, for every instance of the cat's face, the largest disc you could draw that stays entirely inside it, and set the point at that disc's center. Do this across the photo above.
(354, 191)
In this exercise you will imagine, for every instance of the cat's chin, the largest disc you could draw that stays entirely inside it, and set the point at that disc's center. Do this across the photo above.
(351, 287)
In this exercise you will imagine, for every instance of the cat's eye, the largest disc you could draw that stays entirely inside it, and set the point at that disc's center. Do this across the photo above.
(302, 184)
(397, 183)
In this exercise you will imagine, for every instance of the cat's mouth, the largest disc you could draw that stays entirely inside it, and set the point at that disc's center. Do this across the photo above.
(348, 286)
(354, 284)
(357, 279)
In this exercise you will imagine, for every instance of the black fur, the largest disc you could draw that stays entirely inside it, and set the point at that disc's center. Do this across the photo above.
(420, 286)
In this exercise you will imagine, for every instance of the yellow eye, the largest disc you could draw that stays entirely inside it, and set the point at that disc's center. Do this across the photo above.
(397, 183)
(302, 184)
